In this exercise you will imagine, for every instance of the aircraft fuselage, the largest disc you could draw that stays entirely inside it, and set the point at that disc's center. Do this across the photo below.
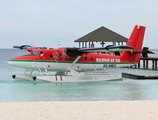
(56, 61)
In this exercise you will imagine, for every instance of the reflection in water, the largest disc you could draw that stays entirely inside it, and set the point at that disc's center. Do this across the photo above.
(127, 89)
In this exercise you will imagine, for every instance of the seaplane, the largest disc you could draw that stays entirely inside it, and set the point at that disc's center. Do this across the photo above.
(68, 63)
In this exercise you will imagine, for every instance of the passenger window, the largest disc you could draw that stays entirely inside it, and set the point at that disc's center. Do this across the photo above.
(91, 58)
(85, 58)
(51, 56)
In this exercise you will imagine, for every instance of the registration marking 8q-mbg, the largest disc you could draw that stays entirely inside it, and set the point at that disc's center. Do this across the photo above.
(109, 65)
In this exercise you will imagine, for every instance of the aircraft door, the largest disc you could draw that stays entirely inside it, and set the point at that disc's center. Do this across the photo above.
(39, 57)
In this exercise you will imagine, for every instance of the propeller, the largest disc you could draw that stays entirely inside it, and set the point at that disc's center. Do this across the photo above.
(58, 42)
(56, 55)
(63, 53)
(22, 47)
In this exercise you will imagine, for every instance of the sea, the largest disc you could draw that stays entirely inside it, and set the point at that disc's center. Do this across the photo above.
(31, 91)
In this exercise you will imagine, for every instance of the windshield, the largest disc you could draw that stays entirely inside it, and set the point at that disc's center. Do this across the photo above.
(34, 52)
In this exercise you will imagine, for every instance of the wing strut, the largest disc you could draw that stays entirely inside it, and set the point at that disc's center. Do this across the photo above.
(74, 62)
(73, 72)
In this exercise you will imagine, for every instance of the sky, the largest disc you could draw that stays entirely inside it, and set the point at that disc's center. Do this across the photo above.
(43, 22)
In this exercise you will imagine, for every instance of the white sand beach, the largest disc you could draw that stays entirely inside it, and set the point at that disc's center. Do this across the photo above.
(80, 110)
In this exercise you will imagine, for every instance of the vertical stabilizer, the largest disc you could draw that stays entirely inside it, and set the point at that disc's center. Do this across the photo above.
(135, 41)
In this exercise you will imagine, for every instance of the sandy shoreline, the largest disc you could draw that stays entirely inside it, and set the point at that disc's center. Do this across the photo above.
(80, 110)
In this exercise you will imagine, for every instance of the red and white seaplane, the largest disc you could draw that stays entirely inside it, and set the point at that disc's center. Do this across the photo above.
(76, 60)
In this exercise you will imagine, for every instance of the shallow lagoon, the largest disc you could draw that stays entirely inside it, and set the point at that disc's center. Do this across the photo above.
(20, 91)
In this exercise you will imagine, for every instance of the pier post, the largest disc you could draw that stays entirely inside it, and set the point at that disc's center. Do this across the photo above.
(155, 64)
(146, 64)
(143, 64)
(135, 65)
(139, 64)
(152, 64)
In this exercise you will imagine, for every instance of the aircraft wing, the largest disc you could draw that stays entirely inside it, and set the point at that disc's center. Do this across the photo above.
(73, 52)
(106, 49)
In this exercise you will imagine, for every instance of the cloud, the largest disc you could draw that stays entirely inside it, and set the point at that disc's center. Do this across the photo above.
(7, 24)
(69, 19)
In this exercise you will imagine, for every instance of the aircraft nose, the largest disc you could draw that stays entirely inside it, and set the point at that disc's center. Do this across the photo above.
(25, 61)
(16, 63)
(12, 62)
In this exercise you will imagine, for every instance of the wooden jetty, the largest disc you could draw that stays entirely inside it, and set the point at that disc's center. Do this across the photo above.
(140, 76)
(146, 61)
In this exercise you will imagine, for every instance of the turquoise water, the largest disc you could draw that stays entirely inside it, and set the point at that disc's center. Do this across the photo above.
(23, 91)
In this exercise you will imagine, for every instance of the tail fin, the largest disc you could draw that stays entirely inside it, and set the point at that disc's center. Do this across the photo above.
(135, 41)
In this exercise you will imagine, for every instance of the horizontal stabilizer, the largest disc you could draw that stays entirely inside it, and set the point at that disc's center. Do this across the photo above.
(144, 52)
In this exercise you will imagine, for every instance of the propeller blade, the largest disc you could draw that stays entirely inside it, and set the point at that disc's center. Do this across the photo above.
(17, 47)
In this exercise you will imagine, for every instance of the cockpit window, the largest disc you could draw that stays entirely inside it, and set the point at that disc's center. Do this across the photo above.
(34, 52)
